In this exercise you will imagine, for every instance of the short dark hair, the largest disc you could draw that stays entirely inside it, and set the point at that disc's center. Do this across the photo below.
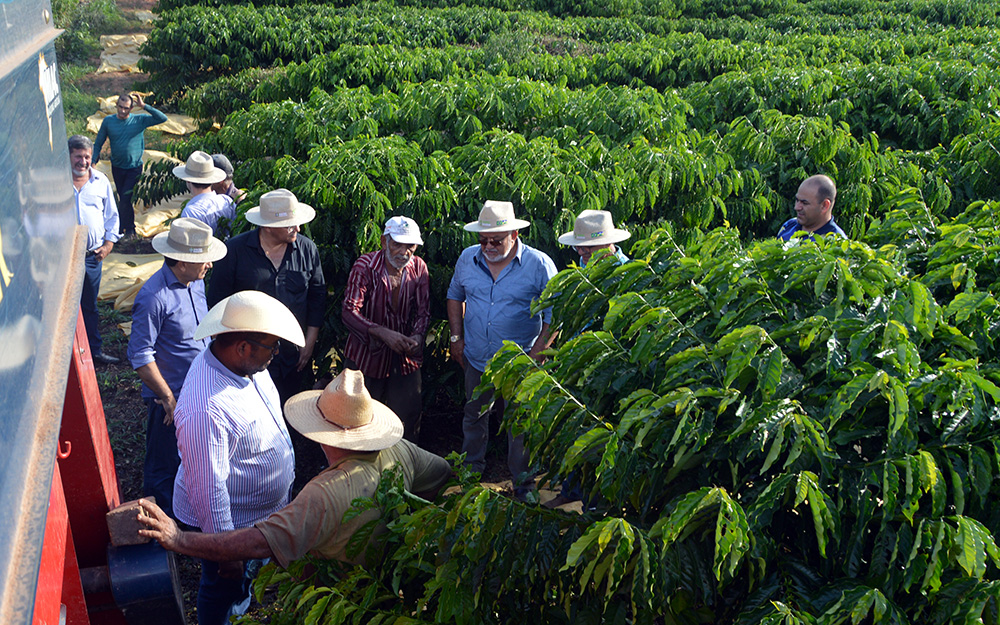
(79, 142)
(232, 338)
(170, 261)
(126, 96)
(198, 185)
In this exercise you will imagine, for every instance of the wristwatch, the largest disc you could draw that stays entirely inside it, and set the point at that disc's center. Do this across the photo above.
(455, 338)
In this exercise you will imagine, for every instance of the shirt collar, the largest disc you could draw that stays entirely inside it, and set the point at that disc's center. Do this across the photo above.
(171, 279)
(215, 363)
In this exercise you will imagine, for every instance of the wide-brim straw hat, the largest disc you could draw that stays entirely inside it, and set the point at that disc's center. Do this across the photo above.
(594, 228)
(280, 208)
(344, 415)
(189, 241)
(251, 311)
(496, 217)
(199, 169)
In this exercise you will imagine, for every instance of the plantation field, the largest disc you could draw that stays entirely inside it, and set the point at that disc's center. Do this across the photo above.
(765, 433)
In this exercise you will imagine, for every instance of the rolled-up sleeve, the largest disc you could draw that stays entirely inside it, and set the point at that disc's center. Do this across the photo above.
(147, 319)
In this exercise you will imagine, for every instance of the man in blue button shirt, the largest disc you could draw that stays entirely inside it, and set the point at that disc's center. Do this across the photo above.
(813, 209)
(489, 301)
(162, 346)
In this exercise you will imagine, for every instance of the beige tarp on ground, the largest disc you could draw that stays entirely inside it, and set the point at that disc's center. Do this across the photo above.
(123, 274)
(175, 124)
(146, 18)
(121, 53)
(151, 220)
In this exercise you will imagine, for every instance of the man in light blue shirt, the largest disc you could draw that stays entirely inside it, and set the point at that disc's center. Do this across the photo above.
(205, 205)
(489, 301)
(237, 463)
(95, 209)
(161, 347)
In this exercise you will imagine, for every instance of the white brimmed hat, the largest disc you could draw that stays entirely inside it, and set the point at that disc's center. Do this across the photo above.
(403, 230)
(344, 415)
(280, 208)
(251, 311)
(496, 217)
(594, 228)
(200, 169)
(189, 241)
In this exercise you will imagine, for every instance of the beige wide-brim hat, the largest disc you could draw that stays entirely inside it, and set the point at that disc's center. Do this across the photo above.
(280, 209)
(496, 217)
(594, 228)
(251, 311)
(344, 415)
(189, 241)
(200, 169)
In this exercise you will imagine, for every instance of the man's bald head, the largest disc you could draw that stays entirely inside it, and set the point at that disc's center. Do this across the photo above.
(814, 202)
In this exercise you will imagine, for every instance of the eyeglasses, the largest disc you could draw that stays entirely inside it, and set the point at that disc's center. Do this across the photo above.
(492, 242)
(274, 349)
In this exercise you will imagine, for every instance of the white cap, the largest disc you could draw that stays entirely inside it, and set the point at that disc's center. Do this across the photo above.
(403, 230)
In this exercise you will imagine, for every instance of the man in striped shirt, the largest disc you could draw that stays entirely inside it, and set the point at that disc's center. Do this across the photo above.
(237, 463)
(387, 311)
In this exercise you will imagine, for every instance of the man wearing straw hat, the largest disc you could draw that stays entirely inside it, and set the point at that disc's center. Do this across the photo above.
(95, 209)
(593, 231)
(205, 205)
(387, 310)
(161, 347)
(361, 438)
(276, 259)
(237, 463)
(489, 301)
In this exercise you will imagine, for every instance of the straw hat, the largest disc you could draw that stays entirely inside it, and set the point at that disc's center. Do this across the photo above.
(594, 228)
(189, 241)
(403, 230)
(200, 169)
(251, 311)
(344, 415)
(280, 208)
(496, 217)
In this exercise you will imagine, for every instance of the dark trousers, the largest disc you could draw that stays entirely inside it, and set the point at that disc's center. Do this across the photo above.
(401, 393)
(476, 431)
(162, 459)
(88, 301)
(221, 597)
(125, 180)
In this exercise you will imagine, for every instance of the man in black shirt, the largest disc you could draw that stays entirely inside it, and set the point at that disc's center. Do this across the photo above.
(277, 260)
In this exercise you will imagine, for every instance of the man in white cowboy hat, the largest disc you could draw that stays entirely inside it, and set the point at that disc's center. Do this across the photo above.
(161, 347)
(276, 259)
(237, 463)
(124, 133)
(593, 231)
(95, 209)
(205, 205)
(387, 310)
(361, 438)
(489, 301)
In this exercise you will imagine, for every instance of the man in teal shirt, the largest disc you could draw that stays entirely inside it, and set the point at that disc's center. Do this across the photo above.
(124, 134)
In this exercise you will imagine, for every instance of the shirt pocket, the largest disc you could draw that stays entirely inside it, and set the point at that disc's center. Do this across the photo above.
(296, 282)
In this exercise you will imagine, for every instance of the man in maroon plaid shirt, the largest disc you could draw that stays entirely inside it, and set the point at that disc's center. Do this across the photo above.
(387, 311)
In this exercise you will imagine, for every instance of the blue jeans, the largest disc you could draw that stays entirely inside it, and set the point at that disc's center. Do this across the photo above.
(125, 180)
(88, 302)
(220, 597)
(162, 459)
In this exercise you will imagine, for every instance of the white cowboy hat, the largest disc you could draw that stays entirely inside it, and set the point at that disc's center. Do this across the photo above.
(496, 217)
(189, 241)
(594, 228)
(403, 230)
(251, 311)
(200, 169)
(344, 415)
(280, 208)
